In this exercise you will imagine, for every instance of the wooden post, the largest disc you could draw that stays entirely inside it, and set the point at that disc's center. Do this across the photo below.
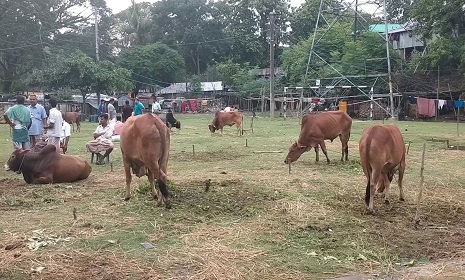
(193, 150)
(408, 147)
(458, 120)
(111, 166)
(246, 142)
(251, 124)
(417, 214)
(447, 144)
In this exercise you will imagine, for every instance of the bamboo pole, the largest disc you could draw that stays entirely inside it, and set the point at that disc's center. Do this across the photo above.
(417, 214)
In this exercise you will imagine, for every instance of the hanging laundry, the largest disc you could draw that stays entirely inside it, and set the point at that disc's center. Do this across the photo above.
(441, 103)
(450, 104)
(426, 107)
(458, 103)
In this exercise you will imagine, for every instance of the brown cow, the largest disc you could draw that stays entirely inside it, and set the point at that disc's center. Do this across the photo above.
(145, 145)
(316, 128)
(48, 166)
(382, 153)
(73, 117)
(223, 119)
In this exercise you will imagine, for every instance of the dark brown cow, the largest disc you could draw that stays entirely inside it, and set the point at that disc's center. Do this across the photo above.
(223, 119)
(73, 117)
(48, 166)
(145, 145)
(382, 153)
(316, 128)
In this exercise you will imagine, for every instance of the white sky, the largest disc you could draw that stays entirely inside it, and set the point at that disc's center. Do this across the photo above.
(119, 5)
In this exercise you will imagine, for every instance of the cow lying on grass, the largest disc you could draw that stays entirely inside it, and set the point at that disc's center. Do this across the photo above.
(48, 166)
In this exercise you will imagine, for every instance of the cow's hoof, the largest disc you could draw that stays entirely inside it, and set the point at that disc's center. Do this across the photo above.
(168, 204)
(127, 198)
(370, 211)
(401, 199)
(386, 202)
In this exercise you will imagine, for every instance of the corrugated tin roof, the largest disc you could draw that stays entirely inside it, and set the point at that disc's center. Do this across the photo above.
(381, 28)
(181, 87)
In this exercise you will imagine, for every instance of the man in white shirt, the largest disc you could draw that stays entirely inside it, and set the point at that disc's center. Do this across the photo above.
(156, 108)
(102, 144)
(65, 134)
(55, 123)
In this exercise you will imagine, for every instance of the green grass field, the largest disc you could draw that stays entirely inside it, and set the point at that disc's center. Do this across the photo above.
(257, 221)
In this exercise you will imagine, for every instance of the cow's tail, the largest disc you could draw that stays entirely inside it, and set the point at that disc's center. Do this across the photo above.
(369, 171)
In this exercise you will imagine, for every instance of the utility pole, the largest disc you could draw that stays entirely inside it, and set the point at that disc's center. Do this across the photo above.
(391, 95)
(355, 20)
(97, 58)
(272, 14)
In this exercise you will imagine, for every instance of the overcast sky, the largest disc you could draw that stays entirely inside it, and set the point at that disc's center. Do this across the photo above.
(119, 5)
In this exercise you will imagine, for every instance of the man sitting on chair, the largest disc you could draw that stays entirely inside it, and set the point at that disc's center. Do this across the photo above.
(102, 144)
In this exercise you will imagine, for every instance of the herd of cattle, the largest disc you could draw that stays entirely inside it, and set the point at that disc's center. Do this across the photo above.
(145, 144)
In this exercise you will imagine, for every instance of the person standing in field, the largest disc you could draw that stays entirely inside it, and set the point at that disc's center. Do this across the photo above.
(101, 108)
(127, 111)
(111, 112)
(19, 118)
(55, 124)
(138, 108)
(39, 120)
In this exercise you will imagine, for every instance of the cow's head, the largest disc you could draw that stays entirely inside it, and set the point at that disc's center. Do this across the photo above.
(177, 124)
(16, 160)
(212, 128)
(295, 151)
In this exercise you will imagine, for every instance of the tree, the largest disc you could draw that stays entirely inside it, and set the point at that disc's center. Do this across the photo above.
(134, 25)
(444, 23)
(247, 22)
(27, 28)
(79, 71)
(151, 65)
(193, 27)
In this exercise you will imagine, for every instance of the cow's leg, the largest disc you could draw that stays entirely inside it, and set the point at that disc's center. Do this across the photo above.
(43, 180)
(221, 131)
(127, 171)
(78, 127)
(153, 188)
(385, 181)
(317, 153)
(323, 148)
(161, 180)
(399, 181)
(373, 182)
(345, 146)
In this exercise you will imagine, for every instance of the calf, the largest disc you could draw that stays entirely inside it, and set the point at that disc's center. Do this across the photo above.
(145, 145)
(382, 153)
(48, 166)
(316, 128)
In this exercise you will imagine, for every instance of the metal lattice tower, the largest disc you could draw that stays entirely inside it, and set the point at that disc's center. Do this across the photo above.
(348, 80)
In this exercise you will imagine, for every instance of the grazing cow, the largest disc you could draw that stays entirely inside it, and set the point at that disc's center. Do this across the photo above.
(145, 144)
(223, 119)
(73, 117)
(169, 120)
(48, 166)
(382, 153)
(316, 128)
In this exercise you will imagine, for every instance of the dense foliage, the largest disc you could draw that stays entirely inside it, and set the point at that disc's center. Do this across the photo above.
(51, 44)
